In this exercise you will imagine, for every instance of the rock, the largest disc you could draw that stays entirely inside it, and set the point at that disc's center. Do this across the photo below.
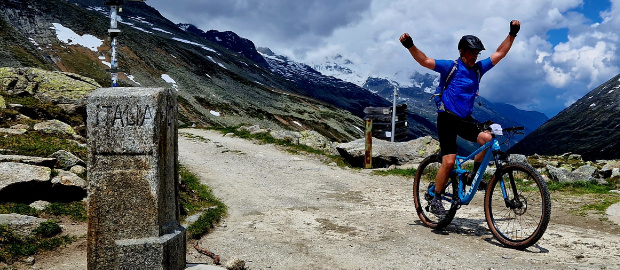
(12, 173)
(20, 126)
(29, 261)
(66, 159)
(2, 103)
(287, 135)
(39, 205)
(575, 157)
(386, 153)
(54, 127)
(78, 169)
(517, 158)
(66, 178)
(47, 86)
(21, 224)
(38, 161)
(13, 131)
(317, 141)
(564, 175)
(255, 129)
(615, 172)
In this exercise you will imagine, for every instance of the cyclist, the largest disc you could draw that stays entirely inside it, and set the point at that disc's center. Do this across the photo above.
(455, 102)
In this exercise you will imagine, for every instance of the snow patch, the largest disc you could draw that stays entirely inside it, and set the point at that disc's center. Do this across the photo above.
(67, 36)
(131, 77)
(215, 113)
(169, 79)
(297, 123)
(593, 104)
(218, 63)
(194, 43)
(161, 30)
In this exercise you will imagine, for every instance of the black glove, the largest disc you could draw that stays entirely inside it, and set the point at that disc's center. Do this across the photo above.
(407, 43)
(514, 29)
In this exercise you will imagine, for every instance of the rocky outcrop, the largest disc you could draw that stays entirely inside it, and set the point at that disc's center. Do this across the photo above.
(386, 153)
(35, 180)
(47, 86)
(21, 224)
(54, 127)
(309, 138)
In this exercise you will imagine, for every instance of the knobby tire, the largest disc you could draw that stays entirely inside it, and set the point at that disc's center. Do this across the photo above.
(425, 178)
(524, 224)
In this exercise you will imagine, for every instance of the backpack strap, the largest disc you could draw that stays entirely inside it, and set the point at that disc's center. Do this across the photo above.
(447, 82)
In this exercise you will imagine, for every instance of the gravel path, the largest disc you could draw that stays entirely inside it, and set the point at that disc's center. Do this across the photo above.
(291, 211)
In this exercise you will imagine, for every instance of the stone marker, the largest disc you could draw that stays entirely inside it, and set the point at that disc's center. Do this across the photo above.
(133, 212)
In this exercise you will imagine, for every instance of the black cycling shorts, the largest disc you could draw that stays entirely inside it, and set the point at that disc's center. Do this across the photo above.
(450, 125)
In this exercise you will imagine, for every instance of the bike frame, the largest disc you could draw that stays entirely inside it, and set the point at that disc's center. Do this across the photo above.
(464, 196)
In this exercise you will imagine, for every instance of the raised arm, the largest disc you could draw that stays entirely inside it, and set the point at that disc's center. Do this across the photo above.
(503, 48)
(418, 55)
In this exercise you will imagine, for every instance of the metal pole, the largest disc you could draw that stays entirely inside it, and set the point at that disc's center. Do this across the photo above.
(394, 113)
(114, 31)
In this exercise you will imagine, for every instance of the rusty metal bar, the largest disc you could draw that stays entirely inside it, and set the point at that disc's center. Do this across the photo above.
(368, 152)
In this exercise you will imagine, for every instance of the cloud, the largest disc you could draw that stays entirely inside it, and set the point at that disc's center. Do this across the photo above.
(538, 73)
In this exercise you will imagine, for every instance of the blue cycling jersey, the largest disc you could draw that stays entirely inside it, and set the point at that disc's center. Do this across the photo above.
(460, 94)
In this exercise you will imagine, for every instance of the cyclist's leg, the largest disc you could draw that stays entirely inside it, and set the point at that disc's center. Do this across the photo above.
(470, 130)
(447, 129)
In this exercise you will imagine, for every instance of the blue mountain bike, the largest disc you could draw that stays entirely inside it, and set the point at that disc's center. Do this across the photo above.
(517, 204)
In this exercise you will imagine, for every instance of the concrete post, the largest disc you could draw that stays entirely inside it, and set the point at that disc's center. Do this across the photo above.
(133, 211)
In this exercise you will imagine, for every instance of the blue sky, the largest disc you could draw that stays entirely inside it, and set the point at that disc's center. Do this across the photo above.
(565, 49)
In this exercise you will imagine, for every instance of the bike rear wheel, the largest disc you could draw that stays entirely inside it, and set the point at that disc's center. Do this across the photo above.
(425, 180)
(521, 220)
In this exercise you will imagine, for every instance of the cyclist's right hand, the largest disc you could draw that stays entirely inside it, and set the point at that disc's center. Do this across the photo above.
(406, 40)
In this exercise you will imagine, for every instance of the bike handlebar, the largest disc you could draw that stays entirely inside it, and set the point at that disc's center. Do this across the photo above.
(514, 130)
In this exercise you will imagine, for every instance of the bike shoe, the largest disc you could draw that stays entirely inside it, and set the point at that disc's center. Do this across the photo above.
(437, 207)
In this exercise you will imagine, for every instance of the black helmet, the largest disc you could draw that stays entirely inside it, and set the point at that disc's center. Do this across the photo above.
(470, 42)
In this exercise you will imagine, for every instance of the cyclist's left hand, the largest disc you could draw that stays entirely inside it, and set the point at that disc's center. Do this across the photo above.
(515, 26)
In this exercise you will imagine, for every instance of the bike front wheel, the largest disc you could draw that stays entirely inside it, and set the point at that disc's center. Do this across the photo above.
(424, 182)
(521, 219)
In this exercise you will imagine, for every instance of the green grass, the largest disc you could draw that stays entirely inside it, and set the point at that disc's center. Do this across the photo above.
(409, 173)
(45, 237)
(580, 187)
(297, 149)
(194, 198)
(34, 143)
(74, 210)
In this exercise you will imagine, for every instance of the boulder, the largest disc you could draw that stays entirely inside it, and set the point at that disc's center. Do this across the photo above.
(563, 175)
(21, 224)
(54, 127)
(47, 86)
(66, 178)
(66, 159)
(517, 158)
(12, 131)
(39, 205)
(12, 173)
(286, 135)
(38, 161)
(317, 141)
(386, 153)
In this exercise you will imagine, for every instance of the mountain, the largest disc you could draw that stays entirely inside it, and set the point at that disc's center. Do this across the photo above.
(417, 97)
(589, 127)
(221, 79)
(338, 92)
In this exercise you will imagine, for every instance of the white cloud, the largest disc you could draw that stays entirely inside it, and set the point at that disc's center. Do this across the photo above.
(536, 74)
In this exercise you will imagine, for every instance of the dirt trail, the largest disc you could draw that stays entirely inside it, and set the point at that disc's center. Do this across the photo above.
(289, 211)
(295, 212)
